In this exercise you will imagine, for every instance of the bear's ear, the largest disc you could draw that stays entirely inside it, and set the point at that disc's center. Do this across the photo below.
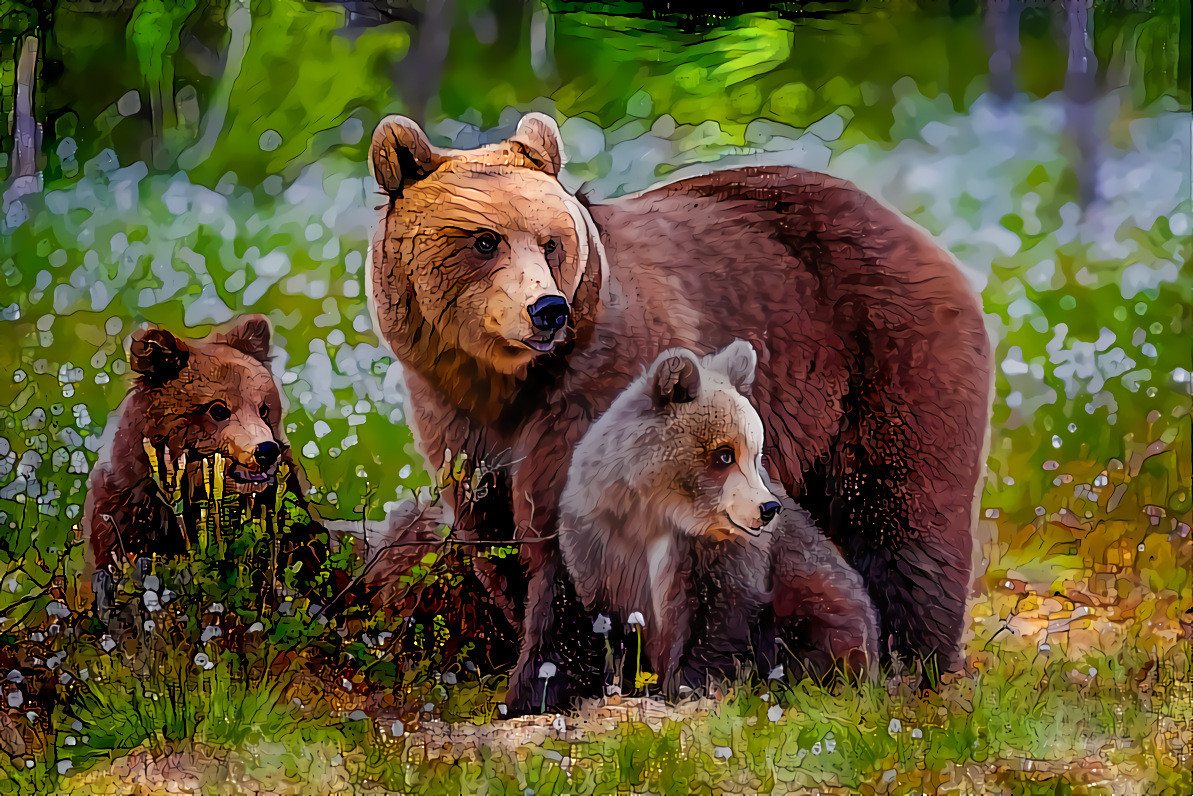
(737, 361)
(538, 138)
(251, 336)
(157, 356)
(401, 154)
(675, 378)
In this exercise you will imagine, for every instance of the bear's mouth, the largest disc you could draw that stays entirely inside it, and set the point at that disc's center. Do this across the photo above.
(250, 481)
(543, 345)
(750, 531)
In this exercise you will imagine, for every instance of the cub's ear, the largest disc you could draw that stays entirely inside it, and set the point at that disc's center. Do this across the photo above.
(674, 378)
(737, 361)
(538, 138)
(156, 355)
(401, 154)
(251, 336)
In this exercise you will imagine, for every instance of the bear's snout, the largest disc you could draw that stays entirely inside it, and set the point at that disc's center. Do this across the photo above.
(768, 511)
(549, 314)
(266, 454)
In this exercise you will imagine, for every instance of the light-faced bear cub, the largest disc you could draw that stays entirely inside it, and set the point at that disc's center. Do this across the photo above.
(667, 512)
(191, 400)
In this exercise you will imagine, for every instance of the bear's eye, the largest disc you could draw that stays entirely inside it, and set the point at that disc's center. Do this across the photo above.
(264, 411)
(219, 411)
(723, 457)
(550, 246)
(486, 243)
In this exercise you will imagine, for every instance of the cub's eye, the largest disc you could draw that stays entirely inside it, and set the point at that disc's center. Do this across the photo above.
(486, 243)
(550, 246)
(723, 457)
(264, 411)
(219, 411)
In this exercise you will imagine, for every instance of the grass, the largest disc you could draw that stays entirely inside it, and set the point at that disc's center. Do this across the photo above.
(1065, 691)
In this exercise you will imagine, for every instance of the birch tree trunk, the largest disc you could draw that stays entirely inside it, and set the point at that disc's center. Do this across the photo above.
(25, 133)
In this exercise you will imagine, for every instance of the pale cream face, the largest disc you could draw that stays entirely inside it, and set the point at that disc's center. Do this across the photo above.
(481, 244)
(716, 464)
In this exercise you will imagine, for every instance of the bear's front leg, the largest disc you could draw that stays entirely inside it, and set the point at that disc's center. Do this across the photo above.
(923, 612)
(821, 615)
(562, 657)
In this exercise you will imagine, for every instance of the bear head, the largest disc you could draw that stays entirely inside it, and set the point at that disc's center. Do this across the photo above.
(213, 396)
(680, 450)
(482, 253)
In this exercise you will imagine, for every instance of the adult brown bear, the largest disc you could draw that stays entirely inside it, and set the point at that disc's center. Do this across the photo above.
(519, 312)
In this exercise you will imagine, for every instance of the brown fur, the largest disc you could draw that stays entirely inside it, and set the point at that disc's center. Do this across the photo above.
(873, 380)
(171, 406)
(661, 515)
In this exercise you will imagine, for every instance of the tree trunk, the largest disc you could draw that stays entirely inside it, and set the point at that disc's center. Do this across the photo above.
(1002, 34)
(420, 72)
(240, 27)
(1080, 119)
(26, 136)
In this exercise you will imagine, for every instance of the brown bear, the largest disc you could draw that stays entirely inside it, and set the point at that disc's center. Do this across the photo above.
(667, 514)
(191, 399)
(519, 311)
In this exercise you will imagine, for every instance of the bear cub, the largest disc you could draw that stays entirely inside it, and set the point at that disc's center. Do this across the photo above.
(191, 399)
(668, 513)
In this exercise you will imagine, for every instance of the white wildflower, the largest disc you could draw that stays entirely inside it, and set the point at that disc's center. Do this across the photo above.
(602, 625)
(636, 619)
(547, 671)
(449, 678)
(775, 713)
(895, 726)
(917, 733)
(152, 603)
(722, 752)
(107, 643)
(776, 673)
(559, 724)
(202, 661)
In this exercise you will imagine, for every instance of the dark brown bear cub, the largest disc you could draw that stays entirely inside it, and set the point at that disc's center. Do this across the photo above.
(193, 400)
(667, 517)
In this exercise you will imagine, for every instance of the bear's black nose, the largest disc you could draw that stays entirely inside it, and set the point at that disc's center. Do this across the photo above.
(768, 511)
(266, 454)
(549, 314)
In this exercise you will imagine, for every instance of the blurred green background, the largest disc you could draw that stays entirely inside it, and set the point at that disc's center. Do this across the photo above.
(198, 160)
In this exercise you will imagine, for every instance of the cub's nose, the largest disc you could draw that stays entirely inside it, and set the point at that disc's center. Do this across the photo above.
(549, 314)
(768, 511)
(266, 454)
